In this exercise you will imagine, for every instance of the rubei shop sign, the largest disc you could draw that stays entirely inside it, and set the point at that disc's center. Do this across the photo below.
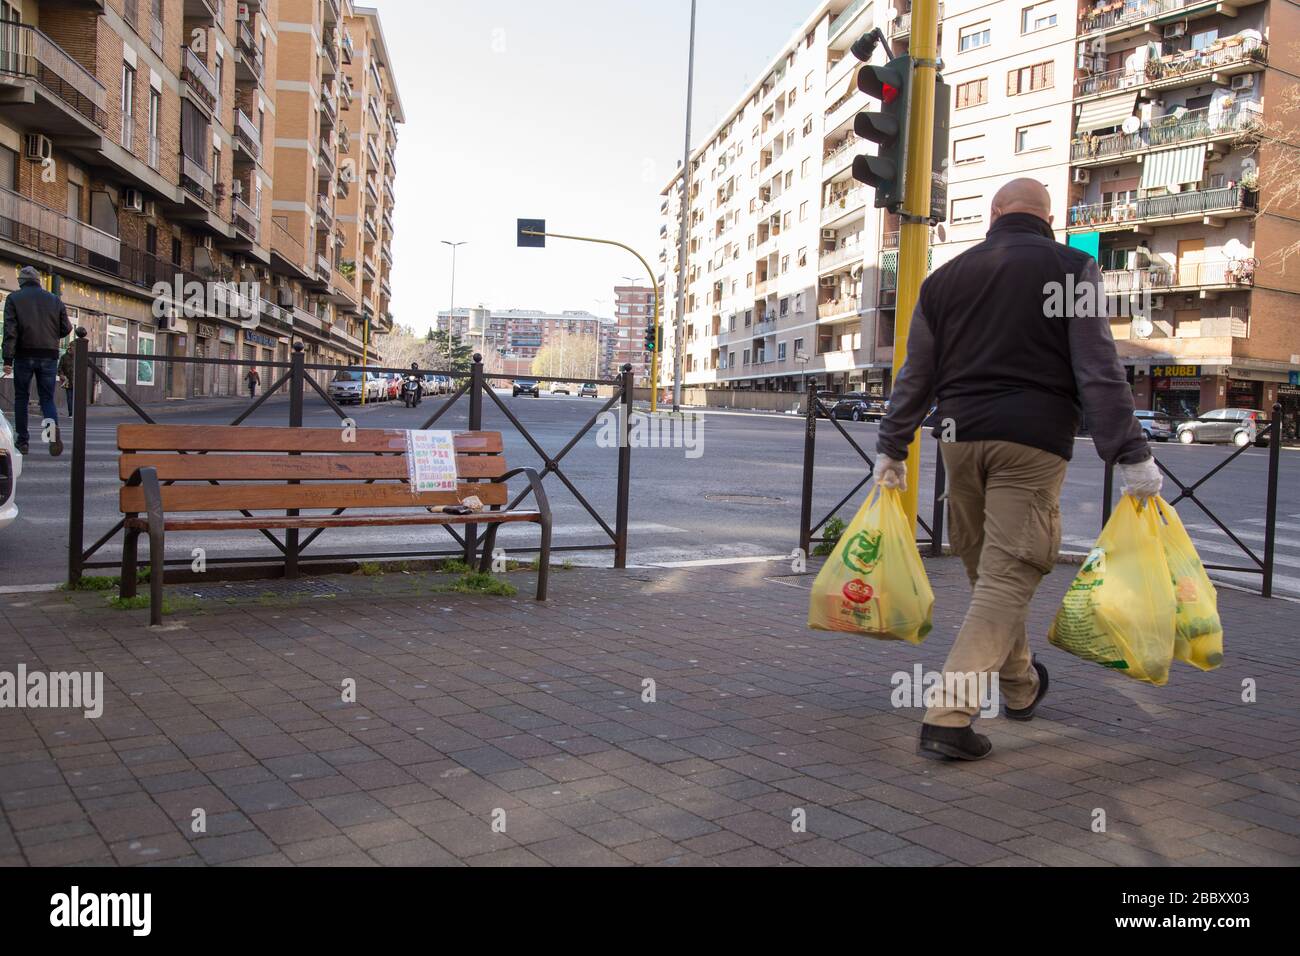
(1175, 371)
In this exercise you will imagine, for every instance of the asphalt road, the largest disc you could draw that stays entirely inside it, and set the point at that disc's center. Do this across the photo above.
(737, 498)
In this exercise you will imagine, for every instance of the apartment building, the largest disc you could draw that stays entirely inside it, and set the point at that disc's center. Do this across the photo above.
(634, 308)
(518, 335)
(1132, 113)
(139, 151)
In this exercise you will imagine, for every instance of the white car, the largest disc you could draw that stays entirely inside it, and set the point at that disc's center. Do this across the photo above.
(560, 388)
(11, 466)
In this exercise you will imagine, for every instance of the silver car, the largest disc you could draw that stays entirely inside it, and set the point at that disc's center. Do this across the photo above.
(1156, 426)
(1238, 426)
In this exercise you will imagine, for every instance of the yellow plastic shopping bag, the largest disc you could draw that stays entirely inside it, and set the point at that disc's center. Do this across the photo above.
(1120, 610)
(1198, 634)
(874, 582)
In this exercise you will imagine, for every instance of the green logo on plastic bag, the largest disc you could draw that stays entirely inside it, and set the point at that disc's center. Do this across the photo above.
(863, 551)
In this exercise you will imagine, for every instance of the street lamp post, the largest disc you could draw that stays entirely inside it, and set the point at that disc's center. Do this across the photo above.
(451, 312)
(679, 328)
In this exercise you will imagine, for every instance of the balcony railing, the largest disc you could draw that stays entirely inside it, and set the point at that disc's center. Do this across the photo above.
(837, 307)
(30, 224)
(1113, 13)
(1174, 206)
(323, 270)
(1180, 66)
(196, 179)
(28, 53)
(325, 208)
(247, 134)
(250, 57)
(889, 240)
(330, 53)
(246, 218)
(1167, 131)
(842, 19)
(839, 205)
(331, 10)
(346, 47)
(325, 166)
(839, 257)
(1232, 273)
(199, 78)
(286, 243)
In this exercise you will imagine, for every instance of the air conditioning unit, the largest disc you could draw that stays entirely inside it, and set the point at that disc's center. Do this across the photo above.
(133, 199)
(1082, 176)
(1084, 62)
(1175, 30)
(828, 233)
(1243, 81)
(829, 282)
(37, 147)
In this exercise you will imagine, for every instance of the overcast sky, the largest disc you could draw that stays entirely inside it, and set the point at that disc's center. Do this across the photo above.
(570, 111)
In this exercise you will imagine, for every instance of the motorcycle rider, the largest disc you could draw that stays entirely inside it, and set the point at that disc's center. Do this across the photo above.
(419, 381)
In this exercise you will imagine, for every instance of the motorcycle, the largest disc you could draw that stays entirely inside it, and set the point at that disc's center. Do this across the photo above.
(412, 388)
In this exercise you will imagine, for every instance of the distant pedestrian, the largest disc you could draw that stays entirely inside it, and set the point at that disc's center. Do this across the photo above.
(35, 321)
(1012, 338)
(253, 380)
(67, 371)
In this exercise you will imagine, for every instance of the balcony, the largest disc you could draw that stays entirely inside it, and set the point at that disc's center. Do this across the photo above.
(331, 12)
(372, 151)
(346, 47)
(1166, 131)
(1227, 201)
(286, 245)
(1216, 274)
(212, 11)
(343, 135)
(1113, 14)
(325, 162)
(28, 54)
(248, 59)
(329, 112)
(840, 258)
(889, 240)
(196, 179)
(28, 223)
(840, 157)
(323, 270)
(842, 206)
(199, 80)
(372, 194)
(245, 218)
(837, 308)
(345, 92)
(389, 198)
(247, 136)
(324, 210)
(1226, 57)
(902, 25)
(329, 55)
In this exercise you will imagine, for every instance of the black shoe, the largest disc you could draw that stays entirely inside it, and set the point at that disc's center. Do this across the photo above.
(956, 743)
(1027, 713)
(21, 446)
(56, 446)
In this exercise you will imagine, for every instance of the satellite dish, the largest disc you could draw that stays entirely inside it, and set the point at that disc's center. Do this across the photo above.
(941, 232)
(1131, 125)
(891, 13)
(1142, 327)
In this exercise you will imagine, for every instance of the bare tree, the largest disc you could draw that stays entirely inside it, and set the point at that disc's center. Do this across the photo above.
(1275, 146)
(569, 355)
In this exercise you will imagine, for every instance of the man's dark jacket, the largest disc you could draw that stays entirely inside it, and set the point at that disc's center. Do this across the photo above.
(35, 321)
(1012, 344)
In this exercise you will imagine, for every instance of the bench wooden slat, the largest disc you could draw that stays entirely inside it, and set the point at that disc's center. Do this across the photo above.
(172, 467)
(280, 497)
(336, 521)
(246, 438)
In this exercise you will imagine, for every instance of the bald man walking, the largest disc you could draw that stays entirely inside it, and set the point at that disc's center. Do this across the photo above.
(1012, 338)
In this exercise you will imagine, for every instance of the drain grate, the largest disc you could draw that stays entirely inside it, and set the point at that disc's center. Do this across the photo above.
(255, 589)
(743, 499)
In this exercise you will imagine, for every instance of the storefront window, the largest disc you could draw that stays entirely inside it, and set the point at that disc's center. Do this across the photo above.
(115, 342)
(144, 370)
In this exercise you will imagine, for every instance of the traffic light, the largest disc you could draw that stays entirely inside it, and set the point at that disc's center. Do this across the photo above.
(891, 84)
(650, 338)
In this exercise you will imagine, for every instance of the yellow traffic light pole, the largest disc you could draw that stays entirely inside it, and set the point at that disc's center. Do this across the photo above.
(914, 229)
(654, 284)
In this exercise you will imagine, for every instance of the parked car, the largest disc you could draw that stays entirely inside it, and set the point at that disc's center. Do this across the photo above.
(859, 407)
(828, 399)
(11, 467)
(588, 390)
(1240, 426)
(1156, 426)
(559, 388)
(347, 386)
(393, 387)
(525, 386)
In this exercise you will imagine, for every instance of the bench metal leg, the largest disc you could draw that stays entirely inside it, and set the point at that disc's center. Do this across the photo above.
(489, 545)
(130, 550)
(544, 558)
(156, 572)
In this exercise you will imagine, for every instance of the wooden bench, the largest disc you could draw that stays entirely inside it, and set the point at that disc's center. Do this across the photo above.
(179, 478)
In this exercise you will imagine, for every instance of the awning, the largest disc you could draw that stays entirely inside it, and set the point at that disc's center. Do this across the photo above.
(1173, 167)
(1106, 111)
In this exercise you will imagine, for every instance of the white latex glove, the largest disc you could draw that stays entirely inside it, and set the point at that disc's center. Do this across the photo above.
(1142, 480)
(891, 473)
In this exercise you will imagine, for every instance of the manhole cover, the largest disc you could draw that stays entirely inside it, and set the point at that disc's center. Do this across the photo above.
(730, 499)
(255, 589)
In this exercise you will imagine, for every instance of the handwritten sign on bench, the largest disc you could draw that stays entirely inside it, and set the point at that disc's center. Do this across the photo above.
(431, 461)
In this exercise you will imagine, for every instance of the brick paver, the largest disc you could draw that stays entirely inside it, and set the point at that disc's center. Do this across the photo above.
(494, 731)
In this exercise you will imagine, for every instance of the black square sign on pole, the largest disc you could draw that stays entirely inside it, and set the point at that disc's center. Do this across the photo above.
(531, 225)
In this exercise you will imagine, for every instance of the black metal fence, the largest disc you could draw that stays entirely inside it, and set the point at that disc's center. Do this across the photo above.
(291, 378)
(1263, 565)
(808, 529)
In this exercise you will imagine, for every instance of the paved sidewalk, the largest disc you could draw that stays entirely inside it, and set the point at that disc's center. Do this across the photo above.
(472, 709)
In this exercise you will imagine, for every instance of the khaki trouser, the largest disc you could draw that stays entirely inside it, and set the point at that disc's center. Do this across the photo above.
(1005, 523)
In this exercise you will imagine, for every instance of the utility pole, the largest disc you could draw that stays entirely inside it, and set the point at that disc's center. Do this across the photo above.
(914, 226)
(679, 328)
(451, 312)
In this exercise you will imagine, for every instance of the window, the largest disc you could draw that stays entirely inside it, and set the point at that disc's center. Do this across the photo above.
(808, 81)
(1034, 136)
(785, 307)
(803, 168)
(972, 93)
(798, 347)
(974, 36)
(807, 126)
(116, 342)
(144, 370)
(969, 209)
(746, 356)
(74, 201)
(803, 211)
(155, 121)
(1028, 79)
(968, 150)
(789, 179)
(780, 351)
(803, 256)
(1038, 17)
(128, 105)
(1202, 40)
(731, 359)
(785, 264)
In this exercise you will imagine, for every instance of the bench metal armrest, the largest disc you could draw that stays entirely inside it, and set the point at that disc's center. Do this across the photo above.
(147, 479)
(534, 483)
